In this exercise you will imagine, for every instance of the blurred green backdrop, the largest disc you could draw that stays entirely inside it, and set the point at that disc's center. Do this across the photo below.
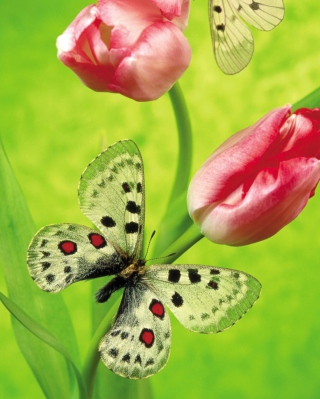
(52, 126)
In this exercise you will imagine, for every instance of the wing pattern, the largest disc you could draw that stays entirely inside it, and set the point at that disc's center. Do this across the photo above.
(111, 195)
(231, 38)
(204, 299)
(138, 344)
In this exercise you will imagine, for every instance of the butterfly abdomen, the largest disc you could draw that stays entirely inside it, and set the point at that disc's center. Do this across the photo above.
(129, 275)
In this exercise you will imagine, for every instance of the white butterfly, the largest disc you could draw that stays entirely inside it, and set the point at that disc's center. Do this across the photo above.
(231, 38)
(204, 299)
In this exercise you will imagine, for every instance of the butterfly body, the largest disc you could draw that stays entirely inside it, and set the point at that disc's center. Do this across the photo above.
(231, 38)
(203, 298)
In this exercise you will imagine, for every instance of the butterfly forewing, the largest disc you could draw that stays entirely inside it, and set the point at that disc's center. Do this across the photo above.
(203, 298)
(231, 38)
(262, 14)
(111, 195)
(138, 344)
(62, 254)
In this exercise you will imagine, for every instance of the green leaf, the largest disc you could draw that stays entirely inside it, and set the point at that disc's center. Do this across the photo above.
(312, 100)
(44, 335)
(16, 231)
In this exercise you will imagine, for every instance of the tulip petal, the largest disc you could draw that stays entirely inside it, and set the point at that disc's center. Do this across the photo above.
(176, 11)
(149, 76)
(274, 199)
(235, 160)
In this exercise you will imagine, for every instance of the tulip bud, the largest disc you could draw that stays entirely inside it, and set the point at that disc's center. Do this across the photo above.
(135, 48)
(259, 179)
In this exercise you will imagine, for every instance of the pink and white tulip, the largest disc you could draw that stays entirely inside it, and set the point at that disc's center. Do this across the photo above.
(258, 180)
(132, 47)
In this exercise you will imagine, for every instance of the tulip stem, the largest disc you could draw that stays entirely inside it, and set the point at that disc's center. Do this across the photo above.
(92, 357)
(169, 231)
(185, 141)
(190, 237)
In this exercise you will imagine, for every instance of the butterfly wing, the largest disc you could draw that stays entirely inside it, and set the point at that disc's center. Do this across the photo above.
(62, 254)
(204, 299)
(138, 344)
(231, 38)
(263, 14)
(111, 195)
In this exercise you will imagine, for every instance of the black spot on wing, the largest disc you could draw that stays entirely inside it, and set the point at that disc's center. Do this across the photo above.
(194, 276)
(113, 352)
(214, 271)
(149, 362)
(217, 9)
(45, 254)
(126, 187)
(254, 6)
(177, 300)
(221, 27)
(124, 335)
(68, 278)
(174, 275)
(43, 243)
(107, 221)
(213, 284)
(126, 358)
(138, 359)
(67, 269)
(131, 227)
(132, 207)
(139, 187)
(50, 278)
(45, 265)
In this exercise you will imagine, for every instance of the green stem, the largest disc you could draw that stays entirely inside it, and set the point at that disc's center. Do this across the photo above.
(92, 358)
(166, 236)
(185, 141)
(190, 237)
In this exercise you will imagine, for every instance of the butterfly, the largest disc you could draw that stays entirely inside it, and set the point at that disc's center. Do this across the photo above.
(231, 38)
(204, 299)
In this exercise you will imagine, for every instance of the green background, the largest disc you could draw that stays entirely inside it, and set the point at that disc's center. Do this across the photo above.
(52, 127)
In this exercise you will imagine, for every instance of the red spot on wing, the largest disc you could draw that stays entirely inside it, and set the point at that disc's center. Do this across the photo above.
(97, 240)
(157, 308)
(68, 247)
(213, 285)
(147, 337)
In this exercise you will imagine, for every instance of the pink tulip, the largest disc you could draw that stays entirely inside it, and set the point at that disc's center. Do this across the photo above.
(132, 47)
(258, 180)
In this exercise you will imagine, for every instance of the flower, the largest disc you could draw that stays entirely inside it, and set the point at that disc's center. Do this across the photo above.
(258, 180)
(132, 47)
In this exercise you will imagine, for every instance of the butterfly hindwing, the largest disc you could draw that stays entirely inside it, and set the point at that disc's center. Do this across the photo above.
(204, 299)
(231, 38)
(62, 254)
(138, 344)
(111, 195)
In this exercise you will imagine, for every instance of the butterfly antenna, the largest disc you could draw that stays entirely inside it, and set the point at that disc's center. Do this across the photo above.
(151, 237)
